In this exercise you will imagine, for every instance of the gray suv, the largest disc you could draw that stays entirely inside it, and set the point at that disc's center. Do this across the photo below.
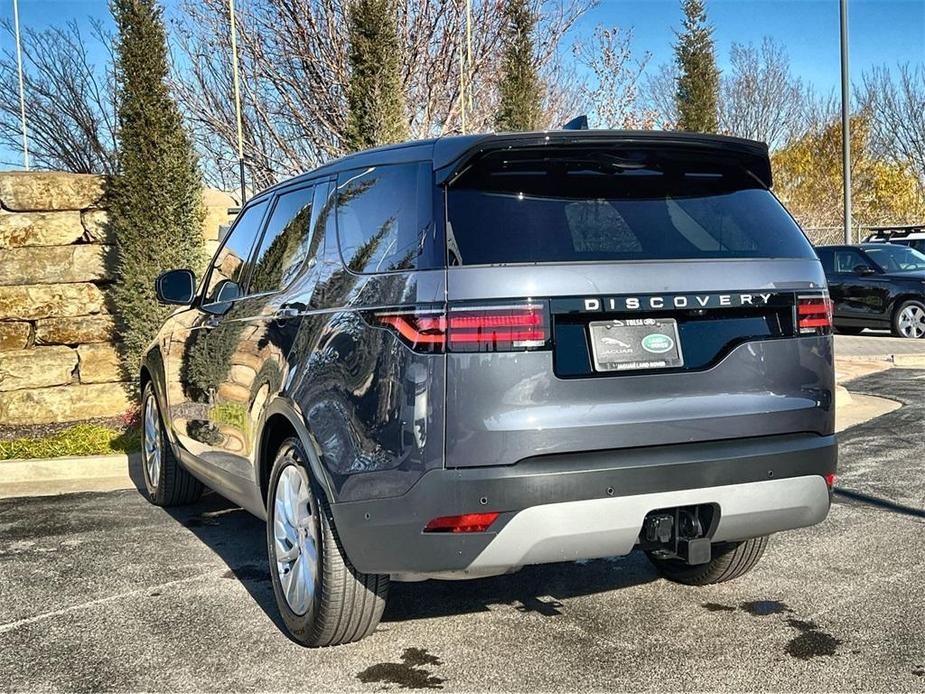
(453, 358)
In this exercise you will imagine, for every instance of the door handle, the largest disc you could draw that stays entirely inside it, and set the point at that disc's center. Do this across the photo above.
(212, 322)
(286, 313)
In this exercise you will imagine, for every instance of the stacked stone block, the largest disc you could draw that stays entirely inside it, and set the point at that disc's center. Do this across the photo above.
(58, 355)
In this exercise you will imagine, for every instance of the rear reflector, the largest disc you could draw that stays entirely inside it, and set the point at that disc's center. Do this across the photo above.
(496, 328)
(830, 480)
(466, 523)
(814, 315)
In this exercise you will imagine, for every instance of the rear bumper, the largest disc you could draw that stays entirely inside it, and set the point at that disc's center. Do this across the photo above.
(587, 505)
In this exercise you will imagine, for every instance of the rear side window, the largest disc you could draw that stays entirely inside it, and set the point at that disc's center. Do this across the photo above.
(384, 220)
(594, 205)
(284, 243)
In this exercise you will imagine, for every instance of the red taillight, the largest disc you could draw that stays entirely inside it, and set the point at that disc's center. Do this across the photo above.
(472, 328)
(419, 330)
(466, 523)
(497, 328)
(830, 480)
(814, 315)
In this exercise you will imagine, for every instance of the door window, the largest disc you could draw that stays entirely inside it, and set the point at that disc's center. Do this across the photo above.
(846, 259)
(232, 262)
(285, 242)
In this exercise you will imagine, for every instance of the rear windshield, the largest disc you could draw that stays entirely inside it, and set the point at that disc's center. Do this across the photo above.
(600, 205)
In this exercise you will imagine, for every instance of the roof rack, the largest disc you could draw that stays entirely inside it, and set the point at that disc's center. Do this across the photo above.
(894, 231)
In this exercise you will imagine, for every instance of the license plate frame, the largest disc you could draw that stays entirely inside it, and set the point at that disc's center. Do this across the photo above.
(635, 344)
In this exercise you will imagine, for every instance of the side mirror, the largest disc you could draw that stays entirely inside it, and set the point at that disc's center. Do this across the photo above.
(175, 287)
(864, 270)
(225, 292)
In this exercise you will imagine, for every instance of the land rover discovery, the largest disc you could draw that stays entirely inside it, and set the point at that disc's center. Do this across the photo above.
(454, 358)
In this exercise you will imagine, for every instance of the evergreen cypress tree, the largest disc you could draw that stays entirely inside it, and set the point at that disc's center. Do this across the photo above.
(155, 200)
(698, 80)
(375, 97)
(521, 91)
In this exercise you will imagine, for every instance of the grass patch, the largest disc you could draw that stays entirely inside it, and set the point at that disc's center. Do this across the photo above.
(80, 439)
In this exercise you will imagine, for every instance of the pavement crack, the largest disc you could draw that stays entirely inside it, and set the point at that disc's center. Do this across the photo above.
(10, 626)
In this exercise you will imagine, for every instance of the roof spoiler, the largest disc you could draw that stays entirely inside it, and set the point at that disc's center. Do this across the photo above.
(450, 159)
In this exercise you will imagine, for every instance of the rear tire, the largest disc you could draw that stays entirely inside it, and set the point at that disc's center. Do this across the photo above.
(909, 320)
(167, 482)
(335, 603)
(730, 560)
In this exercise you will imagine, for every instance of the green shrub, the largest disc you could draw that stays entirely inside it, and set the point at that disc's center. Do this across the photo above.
(375, 98)
(520, 90)
(155, 200)
(80, 439)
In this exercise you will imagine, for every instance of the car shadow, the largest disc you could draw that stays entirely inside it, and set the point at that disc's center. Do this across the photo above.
(239, 539)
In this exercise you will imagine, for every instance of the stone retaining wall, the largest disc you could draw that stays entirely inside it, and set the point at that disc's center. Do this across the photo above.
(58, 356)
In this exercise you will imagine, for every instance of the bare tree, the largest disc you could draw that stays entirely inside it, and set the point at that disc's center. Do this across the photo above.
(293, 57)
(69, 100)
(659, 94)
(612, 90)
(897, 110)
(760, 99)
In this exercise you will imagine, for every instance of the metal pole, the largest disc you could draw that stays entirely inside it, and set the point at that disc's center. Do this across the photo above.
(462, 89)
(845, 119)
(469, 52)
(22, 90)
(237, 98)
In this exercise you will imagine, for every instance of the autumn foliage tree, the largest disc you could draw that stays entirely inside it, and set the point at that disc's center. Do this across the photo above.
(808, 179)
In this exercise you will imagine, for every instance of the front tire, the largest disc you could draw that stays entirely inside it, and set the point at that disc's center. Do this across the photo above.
(730, 560)
(909, 320)
(323, 600)
(167, 483)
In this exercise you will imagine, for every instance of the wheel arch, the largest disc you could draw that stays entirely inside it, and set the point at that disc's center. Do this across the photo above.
(282, 420)
(900, 299)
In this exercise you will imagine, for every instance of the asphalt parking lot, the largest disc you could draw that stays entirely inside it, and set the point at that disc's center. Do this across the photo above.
(102, 591)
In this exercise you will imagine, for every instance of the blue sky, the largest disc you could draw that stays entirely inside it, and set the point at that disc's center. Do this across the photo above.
(881, 31)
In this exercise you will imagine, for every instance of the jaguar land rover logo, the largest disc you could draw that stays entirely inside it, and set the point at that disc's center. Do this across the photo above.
(657, 343)
(663, 302)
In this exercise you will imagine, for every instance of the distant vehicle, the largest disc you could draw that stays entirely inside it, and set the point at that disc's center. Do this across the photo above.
(454, 358)
(912, 235)
(876, 285)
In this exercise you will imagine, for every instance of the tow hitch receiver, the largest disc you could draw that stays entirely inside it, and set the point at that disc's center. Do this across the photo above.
(680, 533)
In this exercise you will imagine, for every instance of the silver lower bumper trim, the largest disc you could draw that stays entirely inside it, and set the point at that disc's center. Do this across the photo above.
(609, 527)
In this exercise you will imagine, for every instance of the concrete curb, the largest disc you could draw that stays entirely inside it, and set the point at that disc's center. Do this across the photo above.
(42, 477)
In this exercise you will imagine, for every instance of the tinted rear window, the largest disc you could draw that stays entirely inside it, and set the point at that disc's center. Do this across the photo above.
(529, 207)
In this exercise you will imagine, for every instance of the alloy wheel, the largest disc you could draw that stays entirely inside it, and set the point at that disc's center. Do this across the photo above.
(911, 321)
(295, 534)
(153, 443)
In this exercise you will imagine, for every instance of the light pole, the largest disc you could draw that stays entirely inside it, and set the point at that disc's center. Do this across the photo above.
(22, 90)
(237, 98)
(845, 119)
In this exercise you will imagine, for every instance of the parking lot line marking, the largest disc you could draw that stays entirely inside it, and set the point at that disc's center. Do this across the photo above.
(10, 626)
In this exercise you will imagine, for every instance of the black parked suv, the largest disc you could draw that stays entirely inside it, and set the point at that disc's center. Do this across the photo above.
(876, 285)
(454, 358)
